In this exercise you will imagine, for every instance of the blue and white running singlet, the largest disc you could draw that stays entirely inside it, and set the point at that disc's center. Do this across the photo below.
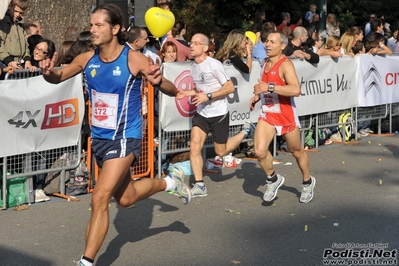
(115, 98)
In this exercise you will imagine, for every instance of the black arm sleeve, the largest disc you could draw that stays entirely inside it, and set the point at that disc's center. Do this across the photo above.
(288, 51)
(314, 58)
(239, 64)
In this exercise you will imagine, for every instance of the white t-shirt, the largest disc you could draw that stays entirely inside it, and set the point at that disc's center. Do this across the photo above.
(209, 76)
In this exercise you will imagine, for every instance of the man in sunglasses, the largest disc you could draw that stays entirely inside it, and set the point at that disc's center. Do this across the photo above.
(367, 28)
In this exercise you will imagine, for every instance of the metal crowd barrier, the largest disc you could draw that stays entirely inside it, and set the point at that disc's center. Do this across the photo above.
(167, 144)
(22, 74)
(372, 113)
(37, 163)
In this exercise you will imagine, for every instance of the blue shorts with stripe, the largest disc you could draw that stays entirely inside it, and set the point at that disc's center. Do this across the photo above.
(104, 149)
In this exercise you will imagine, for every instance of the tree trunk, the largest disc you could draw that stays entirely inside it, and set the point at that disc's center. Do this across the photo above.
(61, 19)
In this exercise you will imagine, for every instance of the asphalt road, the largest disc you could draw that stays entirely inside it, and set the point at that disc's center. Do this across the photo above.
(356, 204)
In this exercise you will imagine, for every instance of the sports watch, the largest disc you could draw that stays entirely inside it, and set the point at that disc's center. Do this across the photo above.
(271, 88)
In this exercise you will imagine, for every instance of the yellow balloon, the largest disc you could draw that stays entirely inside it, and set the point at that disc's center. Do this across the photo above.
(252, 36)
(159, 21)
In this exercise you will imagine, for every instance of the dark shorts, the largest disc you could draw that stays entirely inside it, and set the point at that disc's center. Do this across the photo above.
(218, 126)
(104, 149)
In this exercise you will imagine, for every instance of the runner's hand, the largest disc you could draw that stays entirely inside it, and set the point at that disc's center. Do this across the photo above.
(48, 64)
(154, 75)
(253, 101)
(261, 87)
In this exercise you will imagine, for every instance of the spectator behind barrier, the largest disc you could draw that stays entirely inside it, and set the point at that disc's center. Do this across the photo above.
(359, 48)
(39, 27)
(259, 50)
(376, 26)
(391, 42)
(178, 31)
(32, 41)
(332, 26)
(169, 52)
(259, 19)
(235, 48)
(86, 37)
(296, 21)
(65, 46)
(138, 39)
(153, 45)
(383, 49)
(43, 49)
(318, 43)
(283, 26)
(312, 35)
(367, 27)
(311, 12)
(332, 47)
(316, 21)
(297, 48)
(211, 49)
(30, 29)
(357, 31)
(347, 42)
(77, 48)
(183, 51)
(372, 47)
(14, 51)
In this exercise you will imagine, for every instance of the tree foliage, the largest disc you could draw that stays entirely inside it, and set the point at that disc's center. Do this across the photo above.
(221, 16)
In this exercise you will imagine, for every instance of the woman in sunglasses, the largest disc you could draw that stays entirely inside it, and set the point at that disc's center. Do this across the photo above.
(43, 49)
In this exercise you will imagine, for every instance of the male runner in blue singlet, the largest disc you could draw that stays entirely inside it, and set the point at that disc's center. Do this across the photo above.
(113, 78)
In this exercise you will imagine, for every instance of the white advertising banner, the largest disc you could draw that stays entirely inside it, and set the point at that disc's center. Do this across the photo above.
(378, 80)
(176, 114)
(330, 85)
(36, 115)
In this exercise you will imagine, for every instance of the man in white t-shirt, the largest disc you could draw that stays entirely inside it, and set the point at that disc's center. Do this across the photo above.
(212, 85)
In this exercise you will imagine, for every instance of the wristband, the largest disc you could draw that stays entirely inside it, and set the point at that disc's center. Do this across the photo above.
(158, 85)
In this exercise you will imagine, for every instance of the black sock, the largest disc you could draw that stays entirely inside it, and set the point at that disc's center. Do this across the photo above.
(86, 258)
(307, 182)
(272, 177)
(198, 181)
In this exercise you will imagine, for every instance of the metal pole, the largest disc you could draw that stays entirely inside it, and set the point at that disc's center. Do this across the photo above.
(323, 16)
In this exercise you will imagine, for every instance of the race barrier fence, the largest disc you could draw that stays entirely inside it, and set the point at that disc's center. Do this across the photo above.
(42, 121)
(40, 125)
(36, 123)
(367, 86)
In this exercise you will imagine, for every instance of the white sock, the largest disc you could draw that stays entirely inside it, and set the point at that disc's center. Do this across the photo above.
(170, 183)
(85, 262)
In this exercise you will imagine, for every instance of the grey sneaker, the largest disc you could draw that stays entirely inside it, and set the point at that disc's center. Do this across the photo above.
(272, 188)
(307, 191)
(181, 190)
(199, 191)
(249, 129)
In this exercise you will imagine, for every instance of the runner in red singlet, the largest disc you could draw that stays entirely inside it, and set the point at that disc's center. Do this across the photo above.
(276, 91)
